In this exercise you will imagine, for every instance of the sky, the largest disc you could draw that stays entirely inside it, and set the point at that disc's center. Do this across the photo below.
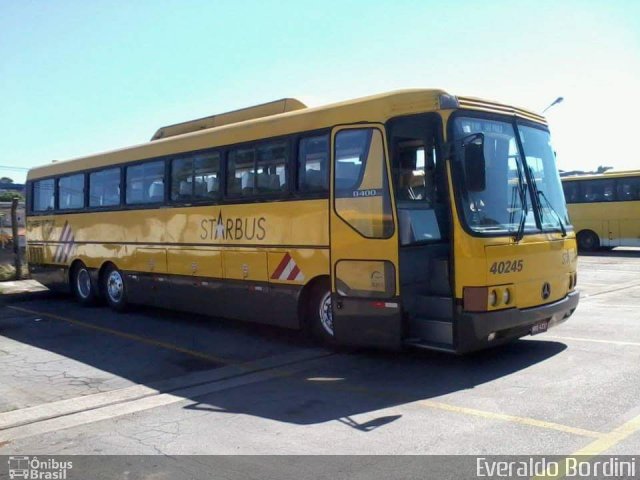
(81, 77)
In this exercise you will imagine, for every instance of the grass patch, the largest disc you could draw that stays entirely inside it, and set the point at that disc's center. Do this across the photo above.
(8, 272)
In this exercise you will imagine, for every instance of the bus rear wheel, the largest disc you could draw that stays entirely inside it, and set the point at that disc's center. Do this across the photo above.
(114, 288)
(320, 314)
(82, 286)
(588, 241)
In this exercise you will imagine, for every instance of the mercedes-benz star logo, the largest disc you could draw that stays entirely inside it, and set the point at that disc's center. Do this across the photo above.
(546, 290)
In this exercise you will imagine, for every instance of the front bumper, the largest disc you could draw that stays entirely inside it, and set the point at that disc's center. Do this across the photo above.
(473, 329)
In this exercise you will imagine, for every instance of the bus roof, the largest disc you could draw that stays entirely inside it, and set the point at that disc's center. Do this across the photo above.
(278, 118)
(608, 174)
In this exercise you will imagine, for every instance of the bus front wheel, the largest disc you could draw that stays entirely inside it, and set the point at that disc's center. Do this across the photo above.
(588, 241)
(82, 286)
(114, 288)
(321, 314)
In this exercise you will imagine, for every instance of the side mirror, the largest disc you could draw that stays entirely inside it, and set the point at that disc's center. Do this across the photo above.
(474, 163)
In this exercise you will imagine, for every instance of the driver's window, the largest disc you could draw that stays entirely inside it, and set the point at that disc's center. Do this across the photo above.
(415, 173)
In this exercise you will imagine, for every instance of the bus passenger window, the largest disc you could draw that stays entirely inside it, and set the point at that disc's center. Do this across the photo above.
(71, 192)
(271, 174)
(145, 183)
(241, 172)
(313, 171)
(598, 191)
(207, 175)
(104, 188)
(628, 189)
(43, 195)
(571, 192)
(195, 177)
(181, 179)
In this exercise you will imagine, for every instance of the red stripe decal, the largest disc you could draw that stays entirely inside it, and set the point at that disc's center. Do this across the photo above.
(281, 266)
(294, 273)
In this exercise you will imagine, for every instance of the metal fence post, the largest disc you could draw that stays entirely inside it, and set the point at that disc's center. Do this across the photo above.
(16, 238)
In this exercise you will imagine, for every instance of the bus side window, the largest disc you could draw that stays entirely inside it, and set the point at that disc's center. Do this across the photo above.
(71, 192)
(43, 195)
(145, 183)
(598, 191)
(571, 192)
(206, 169)
(241, 172)
(104, 188)
(181, 179)
(313, 171)
(628, 189)
(271, 173)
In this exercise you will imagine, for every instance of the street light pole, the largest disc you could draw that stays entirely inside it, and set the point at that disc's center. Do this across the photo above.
(555, 102)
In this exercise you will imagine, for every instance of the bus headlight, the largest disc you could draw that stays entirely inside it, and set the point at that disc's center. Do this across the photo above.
(506, 296)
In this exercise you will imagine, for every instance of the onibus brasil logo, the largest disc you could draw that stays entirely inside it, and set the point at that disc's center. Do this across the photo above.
(38, 469)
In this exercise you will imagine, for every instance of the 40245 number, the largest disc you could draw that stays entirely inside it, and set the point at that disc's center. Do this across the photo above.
(508, 266)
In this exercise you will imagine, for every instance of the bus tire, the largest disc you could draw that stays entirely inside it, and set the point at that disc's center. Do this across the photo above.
(114, 288)
(81, 285)
(588, 241)
(320, 314)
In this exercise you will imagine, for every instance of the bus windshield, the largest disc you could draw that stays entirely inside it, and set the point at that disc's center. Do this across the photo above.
(542, 165)
(505, 204)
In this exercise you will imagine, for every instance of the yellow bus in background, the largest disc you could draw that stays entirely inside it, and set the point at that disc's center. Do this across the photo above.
(604, 209)
(408, 218)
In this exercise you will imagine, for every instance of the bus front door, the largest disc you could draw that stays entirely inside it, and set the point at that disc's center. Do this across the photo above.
(364, 242)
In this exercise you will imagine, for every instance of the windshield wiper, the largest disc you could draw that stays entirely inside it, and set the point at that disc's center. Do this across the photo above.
(562, 227)
(523, 201)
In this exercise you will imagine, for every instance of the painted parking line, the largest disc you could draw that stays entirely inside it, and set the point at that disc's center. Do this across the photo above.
(594, 340)
(531, 422)
(431, 404)
(128, 336)
(598, 446)
(611, 439)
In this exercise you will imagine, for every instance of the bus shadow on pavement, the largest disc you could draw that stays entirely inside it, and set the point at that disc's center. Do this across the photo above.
(337, 387)
(357, 383)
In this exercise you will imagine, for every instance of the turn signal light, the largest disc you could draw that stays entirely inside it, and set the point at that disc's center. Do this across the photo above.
(475, 299)
(493, 298)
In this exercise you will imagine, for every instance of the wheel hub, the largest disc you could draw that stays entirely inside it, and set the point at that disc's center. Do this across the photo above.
(83, 282)
(326, 314)
(115, 286)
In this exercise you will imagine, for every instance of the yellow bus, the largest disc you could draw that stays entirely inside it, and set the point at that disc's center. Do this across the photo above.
(408, 218)
(604, 209)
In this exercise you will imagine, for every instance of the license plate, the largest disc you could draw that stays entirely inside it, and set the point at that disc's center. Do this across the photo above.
(540, 327)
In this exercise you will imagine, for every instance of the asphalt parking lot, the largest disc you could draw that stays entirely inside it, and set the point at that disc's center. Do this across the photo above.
(77, 380)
